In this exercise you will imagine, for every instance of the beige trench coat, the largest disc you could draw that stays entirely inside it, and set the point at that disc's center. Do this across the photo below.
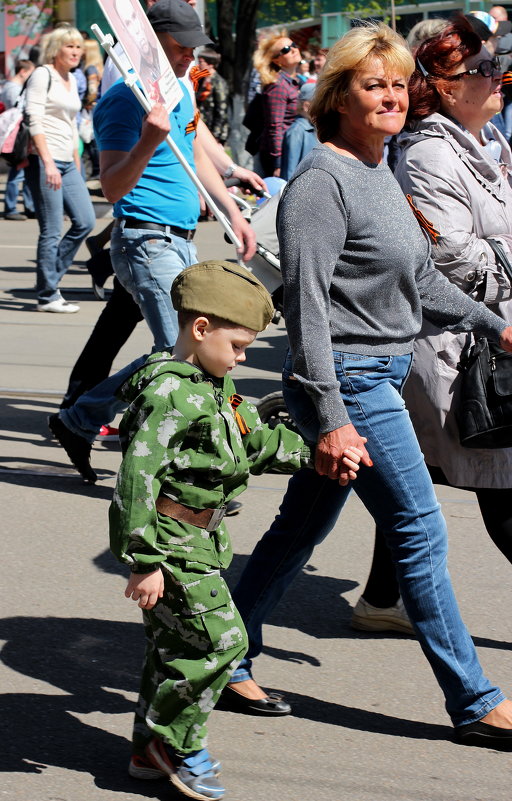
(467, 196)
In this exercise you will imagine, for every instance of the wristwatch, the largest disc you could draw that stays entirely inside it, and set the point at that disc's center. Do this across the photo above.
(228, 172)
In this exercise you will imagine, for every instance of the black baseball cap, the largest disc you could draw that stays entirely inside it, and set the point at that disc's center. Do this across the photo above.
(180, 20)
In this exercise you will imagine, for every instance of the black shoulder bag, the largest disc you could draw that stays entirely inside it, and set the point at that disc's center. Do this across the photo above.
(484, 413)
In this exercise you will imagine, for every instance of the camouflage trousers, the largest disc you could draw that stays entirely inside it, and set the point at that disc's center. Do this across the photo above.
(195, 638)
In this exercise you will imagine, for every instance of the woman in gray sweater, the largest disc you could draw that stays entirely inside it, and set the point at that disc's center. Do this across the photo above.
(358, 280)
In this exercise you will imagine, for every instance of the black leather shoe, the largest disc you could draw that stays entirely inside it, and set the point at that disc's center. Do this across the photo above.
(484, 735)
(273, 704)
(233, 507)
(77, 448)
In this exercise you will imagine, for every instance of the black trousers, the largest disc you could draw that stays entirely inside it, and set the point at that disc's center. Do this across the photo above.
(496, 508)
(114, 326)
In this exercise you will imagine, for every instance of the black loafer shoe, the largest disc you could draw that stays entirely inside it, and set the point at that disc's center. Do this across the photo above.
(273, 704)
(484, 735)
(77, 448)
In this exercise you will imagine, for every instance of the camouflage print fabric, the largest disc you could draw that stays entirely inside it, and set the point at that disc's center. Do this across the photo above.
(182, 438)
(214, 107)
(194, 641)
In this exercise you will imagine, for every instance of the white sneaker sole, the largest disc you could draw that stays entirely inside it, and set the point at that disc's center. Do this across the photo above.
(188, 791)
(62, 310)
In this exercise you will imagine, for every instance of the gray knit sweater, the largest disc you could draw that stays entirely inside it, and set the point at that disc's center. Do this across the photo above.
(357, 274)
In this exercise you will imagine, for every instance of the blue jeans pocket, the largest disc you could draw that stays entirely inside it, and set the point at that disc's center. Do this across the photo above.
(153, 247)
(357, 364)
(300, 405)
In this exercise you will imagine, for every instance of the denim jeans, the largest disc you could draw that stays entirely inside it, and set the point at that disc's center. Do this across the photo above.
(100, 405)
(55, 255)
(146, 263)
(12, 188)
(113, 327)
(399, 494)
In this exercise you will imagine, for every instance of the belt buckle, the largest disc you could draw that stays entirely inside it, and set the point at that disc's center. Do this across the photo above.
(216, 518)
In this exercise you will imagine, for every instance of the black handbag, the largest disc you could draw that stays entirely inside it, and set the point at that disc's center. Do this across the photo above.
(484, 413)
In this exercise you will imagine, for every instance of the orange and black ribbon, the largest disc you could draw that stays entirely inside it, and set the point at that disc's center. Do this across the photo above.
(427, 226)
(192, 126)
(235, 401)
(196, 73)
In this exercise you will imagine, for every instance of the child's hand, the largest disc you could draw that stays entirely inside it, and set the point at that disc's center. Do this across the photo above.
(351, 458)
(146, 588)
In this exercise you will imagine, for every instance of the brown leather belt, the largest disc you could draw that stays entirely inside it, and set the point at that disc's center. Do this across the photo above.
(209, 519)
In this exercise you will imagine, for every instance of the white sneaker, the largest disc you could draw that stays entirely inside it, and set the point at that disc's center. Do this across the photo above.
(59, 306)
(366, 617)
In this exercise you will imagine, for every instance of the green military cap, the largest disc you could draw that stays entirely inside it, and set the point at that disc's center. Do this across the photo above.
(225, 290)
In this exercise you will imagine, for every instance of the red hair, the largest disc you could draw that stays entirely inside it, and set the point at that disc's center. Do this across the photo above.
(439, 56)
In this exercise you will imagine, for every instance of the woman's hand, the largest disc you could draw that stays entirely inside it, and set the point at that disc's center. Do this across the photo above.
(338, 453)
(506, 339)
(146, 588)
(53, 176)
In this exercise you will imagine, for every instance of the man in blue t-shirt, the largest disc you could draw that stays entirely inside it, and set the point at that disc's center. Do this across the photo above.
(156, 207)
(156, 204)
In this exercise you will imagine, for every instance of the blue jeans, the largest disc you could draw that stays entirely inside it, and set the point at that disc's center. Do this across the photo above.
(55, 255)
(398, 493)
(12, 189)
(146, 263)
(507, 120)
(100, 405)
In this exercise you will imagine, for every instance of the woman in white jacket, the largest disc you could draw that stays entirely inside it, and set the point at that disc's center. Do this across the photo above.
(457, 169)
(53, 172)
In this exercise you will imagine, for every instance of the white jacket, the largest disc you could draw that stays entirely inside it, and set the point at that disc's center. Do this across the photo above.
(467, 196)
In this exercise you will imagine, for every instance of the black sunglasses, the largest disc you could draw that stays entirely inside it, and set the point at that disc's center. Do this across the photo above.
(285, 50)
(487, 69)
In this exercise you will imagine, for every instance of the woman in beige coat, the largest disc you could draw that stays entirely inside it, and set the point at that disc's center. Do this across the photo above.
(457, 169)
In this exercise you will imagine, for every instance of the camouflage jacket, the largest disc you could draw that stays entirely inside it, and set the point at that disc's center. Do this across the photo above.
(181, 437)
(212, 101)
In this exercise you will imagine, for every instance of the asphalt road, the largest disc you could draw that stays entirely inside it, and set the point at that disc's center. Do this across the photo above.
(369, 722)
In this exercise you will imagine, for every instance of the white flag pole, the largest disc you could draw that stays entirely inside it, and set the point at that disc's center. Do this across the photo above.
(130, 79)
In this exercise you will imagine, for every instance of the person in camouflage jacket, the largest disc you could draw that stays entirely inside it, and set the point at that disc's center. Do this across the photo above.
(212, 96)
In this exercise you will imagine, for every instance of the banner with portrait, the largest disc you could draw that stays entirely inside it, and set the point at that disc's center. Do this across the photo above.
(131, 26)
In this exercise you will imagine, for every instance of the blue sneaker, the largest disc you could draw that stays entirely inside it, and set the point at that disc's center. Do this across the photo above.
(144, 767)
(194, 775)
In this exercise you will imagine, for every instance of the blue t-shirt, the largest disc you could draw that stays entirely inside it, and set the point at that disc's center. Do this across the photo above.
(164, 194)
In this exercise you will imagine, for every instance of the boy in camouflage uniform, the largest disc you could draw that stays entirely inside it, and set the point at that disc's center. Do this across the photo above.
(189, 444)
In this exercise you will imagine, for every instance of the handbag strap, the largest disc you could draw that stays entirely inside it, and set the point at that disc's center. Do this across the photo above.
(501, 257)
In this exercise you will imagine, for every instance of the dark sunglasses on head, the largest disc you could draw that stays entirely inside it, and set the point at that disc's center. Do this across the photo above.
(487, 69)
(285, 50)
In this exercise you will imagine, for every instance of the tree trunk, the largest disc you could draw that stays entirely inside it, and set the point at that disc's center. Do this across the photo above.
(236, 65)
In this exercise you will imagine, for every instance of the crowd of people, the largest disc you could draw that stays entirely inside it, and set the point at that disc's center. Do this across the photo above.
(385, 280)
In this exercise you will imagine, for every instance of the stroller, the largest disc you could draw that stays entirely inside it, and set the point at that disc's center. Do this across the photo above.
(266, 267)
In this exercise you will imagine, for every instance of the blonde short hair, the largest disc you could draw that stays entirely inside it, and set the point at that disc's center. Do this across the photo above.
(349, 55)
(57, 39)
(263, 58)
